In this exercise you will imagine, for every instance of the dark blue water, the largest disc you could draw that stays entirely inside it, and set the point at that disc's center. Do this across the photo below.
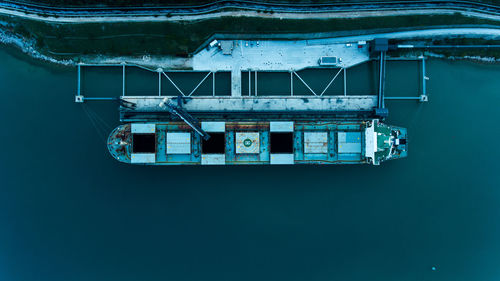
(68, 211)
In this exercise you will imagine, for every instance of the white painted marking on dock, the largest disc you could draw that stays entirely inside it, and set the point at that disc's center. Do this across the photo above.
(274, 55)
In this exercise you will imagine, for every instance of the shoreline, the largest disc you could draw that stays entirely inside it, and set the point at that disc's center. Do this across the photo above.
(152, 37)
(27, 46)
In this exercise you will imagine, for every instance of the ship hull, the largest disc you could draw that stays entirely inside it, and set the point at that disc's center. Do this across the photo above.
(258, 143)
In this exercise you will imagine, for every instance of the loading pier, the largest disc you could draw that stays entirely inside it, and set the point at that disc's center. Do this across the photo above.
(244, 60)
(311, 126)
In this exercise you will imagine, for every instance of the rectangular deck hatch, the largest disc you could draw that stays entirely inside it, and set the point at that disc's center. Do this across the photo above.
(138, 128)
(282, 159)
(143, 158)
(213, 127)
(178, 143)
(349, 142)
(215, 145)
(213, 159)
(281, 126)
(247, 143)
(316, 142)
(281, 142)
(143, 143)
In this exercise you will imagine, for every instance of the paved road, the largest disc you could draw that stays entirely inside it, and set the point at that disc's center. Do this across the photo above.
(471, 32)
(247, 8)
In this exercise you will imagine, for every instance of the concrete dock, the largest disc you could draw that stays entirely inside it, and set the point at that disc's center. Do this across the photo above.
(260, 104)
(273, 55)
(268, 55)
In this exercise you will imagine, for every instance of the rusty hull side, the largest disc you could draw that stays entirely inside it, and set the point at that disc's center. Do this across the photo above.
(120, 143)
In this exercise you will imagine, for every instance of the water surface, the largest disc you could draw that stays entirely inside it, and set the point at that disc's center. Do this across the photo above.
(68, 211)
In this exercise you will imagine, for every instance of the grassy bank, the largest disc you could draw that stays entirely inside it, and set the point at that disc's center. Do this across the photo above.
(182, 38)
(125, 3)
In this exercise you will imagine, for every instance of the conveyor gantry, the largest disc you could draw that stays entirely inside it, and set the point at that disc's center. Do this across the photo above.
(381, 111)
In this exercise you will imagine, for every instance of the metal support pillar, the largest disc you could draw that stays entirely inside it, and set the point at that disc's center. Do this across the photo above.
(423, 96)
(79, 85)
(402, 98)
(345, 82)
(159, 83)
(255, 82)
(249, 82)
(78, 97)
(291, 83)
(100, 98)
(423, 76)
(123, 80)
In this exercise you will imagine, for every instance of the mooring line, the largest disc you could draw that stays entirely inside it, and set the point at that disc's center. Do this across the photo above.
(100, 119)
(94, 124)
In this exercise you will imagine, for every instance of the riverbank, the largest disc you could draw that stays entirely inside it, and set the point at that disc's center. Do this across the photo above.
(475, 36)
(182, 38)
(170, 44)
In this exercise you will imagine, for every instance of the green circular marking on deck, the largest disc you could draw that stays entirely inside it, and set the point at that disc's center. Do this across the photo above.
(247, 142)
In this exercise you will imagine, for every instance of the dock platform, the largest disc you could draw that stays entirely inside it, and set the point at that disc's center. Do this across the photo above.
(146, 108)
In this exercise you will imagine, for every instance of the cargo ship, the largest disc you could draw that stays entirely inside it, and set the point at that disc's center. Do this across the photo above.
(243, 123)
(259, 143)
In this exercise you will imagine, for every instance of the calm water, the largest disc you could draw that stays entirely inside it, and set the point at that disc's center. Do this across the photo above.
(68, 211)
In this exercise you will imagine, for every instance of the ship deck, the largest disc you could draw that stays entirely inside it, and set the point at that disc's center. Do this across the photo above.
(231, 143)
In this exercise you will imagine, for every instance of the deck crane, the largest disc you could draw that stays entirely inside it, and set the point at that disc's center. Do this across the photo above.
(180, 112)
